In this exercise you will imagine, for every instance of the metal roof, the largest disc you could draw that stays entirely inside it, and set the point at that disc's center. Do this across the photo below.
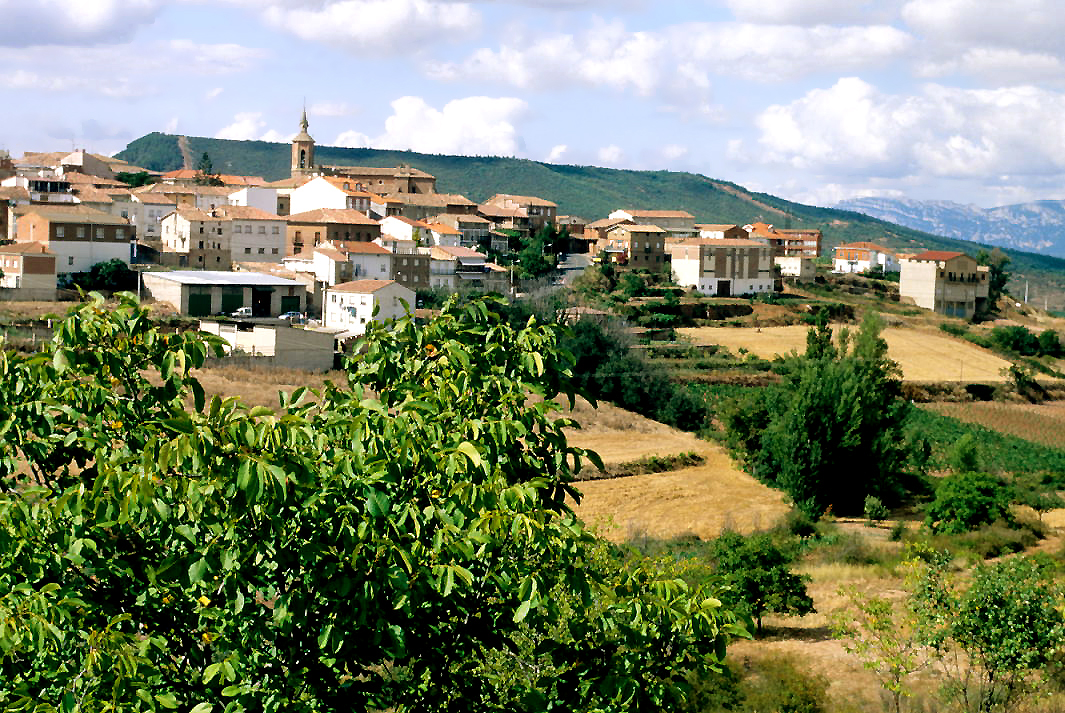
(217, 277)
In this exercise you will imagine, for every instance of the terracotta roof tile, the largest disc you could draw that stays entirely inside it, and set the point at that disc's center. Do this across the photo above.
(362, 287)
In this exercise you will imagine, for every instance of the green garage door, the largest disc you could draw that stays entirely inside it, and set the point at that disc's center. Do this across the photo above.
(290, 304)
(232, 301)
(200, 305)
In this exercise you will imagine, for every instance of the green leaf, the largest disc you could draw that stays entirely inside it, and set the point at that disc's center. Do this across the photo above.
(196, 570)
(167, 700)
(202, 708)
(470, 451)
(522, 612)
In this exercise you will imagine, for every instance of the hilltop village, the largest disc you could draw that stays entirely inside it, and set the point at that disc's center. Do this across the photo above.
(332, 244)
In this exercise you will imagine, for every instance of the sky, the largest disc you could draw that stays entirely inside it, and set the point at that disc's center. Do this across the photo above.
(811, 100)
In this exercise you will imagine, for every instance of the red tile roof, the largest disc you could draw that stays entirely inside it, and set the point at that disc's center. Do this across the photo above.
(937, 255)
(363, 287)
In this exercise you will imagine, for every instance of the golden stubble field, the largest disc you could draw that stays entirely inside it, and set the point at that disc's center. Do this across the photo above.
(701, 500)
(922, 355)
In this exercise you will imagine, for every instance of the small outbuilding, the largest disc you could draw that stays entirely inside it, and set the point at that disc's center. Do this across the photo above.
(200, 293)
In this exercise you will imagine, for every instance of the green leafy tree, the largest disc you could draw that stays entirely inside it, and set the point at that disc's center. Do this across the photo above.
(369, 546)
(993, 636)
(967, 501)
(205, 175)
(757, 577)
(835, 428)
(964, 455)
(538, 254)
(998, 274)
(1050, 344)
(135, 180)
(883, 634)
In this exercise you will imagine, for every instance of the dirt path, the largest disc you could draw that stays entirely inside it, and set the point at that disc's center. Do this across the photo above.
(186, 152)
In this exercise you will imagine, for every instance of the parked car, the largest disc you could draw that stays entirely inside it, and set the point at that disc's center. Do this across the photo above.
(242, 313)
(292, 317)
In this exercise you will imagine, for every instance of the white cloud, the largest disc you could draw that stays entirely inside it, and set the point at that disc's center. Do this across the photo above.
(470, 126)
(73, 22)
(799, 12)
(556, 153)
(676, 64)
(611, 155)
(852, 129)
(213, 93)
(248, 126)
(672, 152)
(120, 71)
(171, 126)
(331, 108)
(997, 66)
(1022, 24)
(392, 26)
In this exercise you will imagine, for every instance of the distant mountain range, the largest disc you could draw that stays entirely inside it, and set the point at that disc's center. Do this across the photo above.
(1036, 227)
(591, 193)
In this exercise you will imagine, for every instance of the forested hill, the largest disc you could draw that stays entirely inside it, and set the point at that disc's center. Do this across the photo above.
(589, 192)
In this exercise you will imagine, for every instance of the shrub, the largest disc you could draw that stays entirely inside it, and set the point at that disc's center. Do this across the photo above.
(964, 456)
(898, 530)
(966, 501)
(874, 509)
(779, 684)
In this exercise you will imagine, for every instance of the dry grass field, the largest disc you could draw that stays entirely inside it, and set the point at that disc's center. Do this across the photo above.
(702, 500)
(923, 355)
(1040, 423)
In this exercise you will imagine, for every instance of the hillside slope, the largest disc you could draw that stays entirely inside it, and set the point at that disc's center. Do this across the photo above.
(593, 192)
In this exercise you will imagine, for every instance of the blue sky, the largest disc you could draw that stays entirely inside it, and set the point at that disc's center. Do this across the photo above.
(813, 100)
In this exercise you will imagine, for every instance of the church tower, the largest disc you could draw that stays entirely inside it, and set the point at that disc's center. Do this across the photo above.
(302, 150)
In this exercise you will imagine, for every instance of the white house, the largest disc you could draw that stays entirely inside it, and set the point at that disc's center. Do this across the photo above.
(863, 257)
(444, 235)
(151, 207)
(330, 192)
(454, 267)
(255, 235)
(351, 305)
(724, 268)
(404, 229)
(337, 262)
(261, 197)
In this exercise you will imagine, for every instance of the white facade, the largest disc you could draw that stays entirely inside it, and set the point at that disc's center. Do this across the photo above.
(328, 192)
(405, 230)
(265, 199)
(800, 267)
(330, 270)
(257, 240)
(351, 306)
(80, 256)
(148, 215)
(724, 268)
(863, 258)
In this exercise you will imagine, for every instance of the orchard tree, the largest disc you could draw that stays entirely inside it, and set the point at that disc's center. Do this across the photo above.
(382, 543)
(757, 577)
(995, 636)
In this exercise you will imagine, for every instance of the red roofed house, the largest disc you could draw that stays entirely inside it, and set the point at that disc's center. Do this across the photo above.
(350, 306)
(330, 192)
(677, 223)
(453, 268)
(255, 235)
(786, 242)
(336, 262)
(634, 246)
(723, 267)
(863, 257)
(314, 227)
(27, 269)
(79, 236)
(950, 283)
(538, 210)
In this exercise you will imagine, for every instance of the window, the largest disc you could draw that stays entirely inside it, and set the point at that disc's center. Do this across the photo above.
(317, 235)
(262, 230)
(201, 245)
(238, 229)
(125, 214)
(298, 235)
(99, 233)
(59, 231)
(276, 230)
(383, 267)
(273, 251)
(120, 233)
(201, 230)
(247, 251)
(70, 260)
(262, 251)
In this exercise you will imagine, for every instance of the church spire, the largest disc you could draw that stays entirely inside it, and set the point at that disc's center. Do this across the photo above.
(303, 149)
(304, 124)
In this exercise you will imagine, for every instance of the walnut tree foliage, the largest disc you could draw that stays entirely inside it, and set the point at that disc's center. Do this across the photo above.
(400, 541)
